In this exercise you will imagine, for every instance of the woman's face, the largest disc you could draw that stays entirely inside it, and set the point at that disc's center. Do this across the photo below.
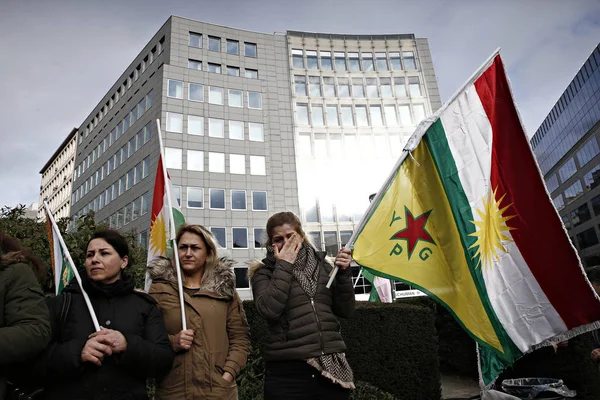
(102, 262)
(192, 252)
(282, 234)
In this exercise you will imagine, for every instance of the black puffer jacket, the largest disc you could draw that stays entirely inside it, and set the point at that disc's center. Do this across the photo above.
(301, 327)
(121, 376)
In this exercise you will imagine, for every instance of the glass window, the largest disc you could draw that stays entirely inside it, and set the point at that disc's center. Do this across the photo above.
(580, 215)
(592, 178)
(145, 203)
(145, 167)
(332, 116)
(195, 64)
(302, 114)
(367, 61)
(376, 118)
(328, 87)
(588, 151)
(149, 100)
(326, 60)
(311, 60)
(214, 43)
(405, 118)
(195, 197)
(409, 59)
(372, 91)
(233, 47)
(137, 176)
(250, 49)
(236, 130)
(345, 237)
(259, 238)
(304, 147)
(214, 68)
(177, 194)
(256, 132)
(219, 234)
(314, 86)
(251, 73)
(587, 238)
(238, 199)
(596, 205)
(419, 110)
(215, 95)
(567, 170)
(552, 183)
(340, 61)
(358, 89)
(196, 92)
(195, 40)
(331, 243)
(216, 127)
(259, 201)
(317, 115)
(216, 162)
(386, 88)
(233, 71)
(347, 116)
(315, 237)
(361, 116)
(175, 89)
(255, 100)
(173, 158)
(147, 133)
(195, 125)
(400, 87)
(257, 165)
(573, 192)
(240, 238)
(559, 203)
(300, 85)
(235, 98)
(343, 87)
(217, 199)
(353, 62)
(174, 122)
(195, 160)
(297, 58)
(381, 60)
(237, 164)
(413, 86)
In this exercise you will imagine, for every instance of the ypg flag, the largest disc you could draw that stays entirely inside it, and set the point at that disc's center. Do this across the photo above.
(60, 266)
(467, 220)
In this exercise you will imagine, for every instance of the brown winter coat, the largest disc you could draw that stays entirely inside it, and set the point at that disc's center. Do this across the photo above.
(221, 340)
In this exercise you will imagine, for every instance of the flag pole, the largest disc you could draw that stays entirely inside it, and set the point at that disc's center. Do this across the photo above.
(411, 144)
(172, 227)
(88, 303)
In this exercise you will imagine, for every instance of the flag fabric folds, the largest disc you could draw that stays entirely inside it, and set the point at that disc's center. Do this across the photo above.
(60, 266)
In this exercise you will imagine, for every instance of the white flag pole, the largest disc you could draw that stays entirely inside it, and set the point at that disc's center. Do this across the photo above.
(172, 229)
(72, 264)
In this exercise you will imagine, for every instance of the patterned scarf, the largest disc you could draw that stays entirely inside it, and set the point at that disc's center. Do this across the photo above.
(306, 271)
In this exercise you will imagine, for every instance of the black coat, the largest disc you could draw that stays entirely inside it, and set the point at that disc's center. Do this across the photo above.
(122, 376)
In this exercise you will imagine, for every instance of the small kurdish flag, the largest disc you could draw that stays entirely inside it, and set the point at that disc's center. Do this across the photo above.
(467, 220)
(60, 266)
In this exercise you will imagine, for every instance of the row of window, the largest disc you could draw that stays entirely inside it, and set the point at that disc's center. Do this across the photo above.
(120, 92)
(217, 68)
(353, 61)
(584, 155)
(231, 46)
(130, 213)
(119, 130)
(359, 115)
(356, 87)
(65, 157)
(216, 199)
(349, 146)
(216, 162)
(216, 127)
(216, 95)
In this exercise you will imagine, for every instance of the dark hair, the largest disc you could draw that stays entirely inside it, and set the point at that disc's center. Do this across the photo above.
(282, 218)
(12, 253)
(115, 239)
(593, 274)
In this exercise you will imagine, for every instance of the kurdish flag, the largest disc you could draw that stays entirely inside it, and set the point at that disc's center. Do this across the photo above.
(467, 220)
(60, 266)
(160, 226)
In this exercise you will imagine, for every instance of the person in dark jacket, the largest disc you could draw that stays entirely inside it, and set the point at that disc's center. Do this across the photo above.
(593, 275)
(24, 317)
(304, 352)
(132, 344)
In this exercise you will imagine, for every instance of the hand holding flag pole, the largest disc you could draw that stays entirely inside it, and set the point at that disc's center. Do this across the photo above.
(172, 228)
(56, 231)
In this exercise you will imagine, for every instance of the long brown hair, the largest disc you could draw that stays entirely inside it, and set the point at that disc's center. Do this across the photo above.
(11, 252)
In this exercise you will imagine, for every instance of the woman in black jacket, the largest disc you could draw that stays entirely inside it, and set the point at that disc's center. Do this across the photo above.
(132, 345)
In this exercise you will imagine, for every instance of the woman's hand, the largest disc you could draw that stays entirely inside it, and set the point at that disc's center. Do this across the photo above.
(183, 340)
(596, 355)
(94, 351)
(290, 249)
(114, 339)
(343, 259)
(228, 377)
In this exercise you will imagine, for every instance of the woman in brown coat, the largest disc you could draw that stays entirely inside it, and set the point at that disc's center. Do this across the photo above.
(214, 348)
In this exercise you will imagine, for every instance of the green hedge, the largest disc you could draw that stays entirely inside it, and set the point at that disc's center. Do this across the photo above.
(392, 347)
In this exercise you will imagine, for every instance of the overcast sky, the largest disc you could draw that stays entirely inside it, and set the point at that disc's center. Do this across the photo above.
(60, 57)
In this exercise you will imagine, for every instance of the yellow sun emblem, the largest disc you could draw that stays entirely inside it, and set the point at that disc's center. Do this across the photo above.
(158, 236)
(491, 230)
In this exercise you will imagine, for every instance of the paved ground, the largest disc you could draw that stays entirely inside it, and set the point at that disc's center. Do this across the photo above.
(455, 386)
